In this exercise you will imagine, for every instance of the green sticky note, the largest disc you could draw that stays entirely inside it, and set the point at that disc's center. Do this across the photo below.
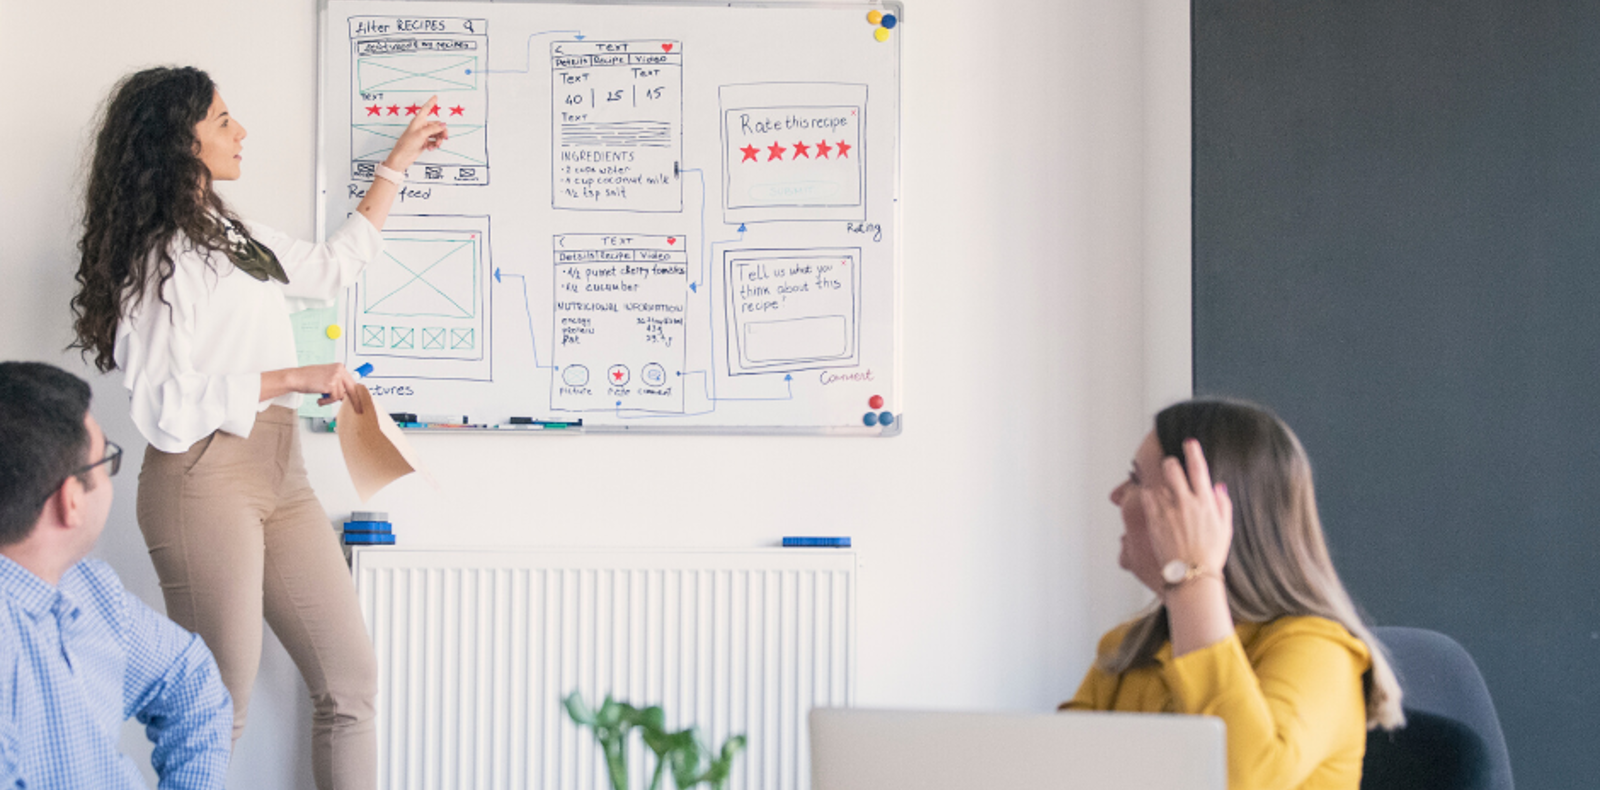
(313, 347)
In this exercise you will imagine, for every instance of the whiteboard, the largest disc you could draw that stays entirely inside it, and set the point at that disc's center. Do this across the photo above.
(647, 217)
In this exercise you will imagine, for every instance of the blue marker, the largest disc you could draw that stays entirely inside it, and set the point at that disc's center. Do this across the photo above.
(832, 543)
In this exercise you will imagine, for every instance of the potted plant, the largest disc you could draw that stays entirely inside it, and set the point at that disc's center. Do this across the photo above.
(691, 762)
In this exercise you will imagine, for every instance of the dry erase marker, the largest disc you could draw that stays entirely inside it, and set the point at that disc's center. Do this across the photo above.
(804, 542)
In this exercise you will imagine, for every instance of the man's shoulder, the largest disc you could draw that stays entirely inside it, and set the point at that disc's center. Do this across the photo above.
(93, 583)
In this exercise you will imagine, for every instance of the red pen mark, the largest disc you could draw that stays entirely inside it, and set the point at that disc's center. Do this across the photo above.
(413, 109)
(775, 151)
(457, 110)
(822, 149)
(800, 150)
(434, 110)
(394, 109)
(374, 110)
(666, 47)
(844, 150)
(750, 152)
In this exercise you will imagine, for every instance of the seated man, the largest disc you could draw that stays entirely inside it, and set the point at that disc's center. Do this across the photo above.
(78, 653)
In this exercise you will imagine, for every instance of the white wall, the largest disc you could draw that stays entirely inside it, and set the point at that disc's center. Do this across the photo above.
(1046, 293)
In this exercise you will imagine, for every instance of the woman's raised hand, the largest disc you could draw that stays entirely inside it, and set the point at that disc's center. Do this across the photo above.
(1189, 517)
(424, 133)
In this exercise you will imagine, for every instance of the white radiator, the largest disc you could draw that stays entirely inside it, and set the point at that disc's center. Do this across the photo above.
(476, 650)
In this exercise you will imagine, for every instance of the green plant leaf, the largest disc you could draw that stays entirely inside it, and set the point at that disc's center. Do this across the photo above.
(579, 712)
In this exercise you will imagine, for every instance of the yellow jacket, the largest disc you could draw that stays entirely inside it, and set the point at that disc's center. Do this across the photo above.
(1290, 692)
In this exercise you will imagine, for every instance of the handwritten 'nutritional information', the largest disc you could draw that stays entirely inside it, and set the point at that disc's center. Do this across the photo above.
(618, 117)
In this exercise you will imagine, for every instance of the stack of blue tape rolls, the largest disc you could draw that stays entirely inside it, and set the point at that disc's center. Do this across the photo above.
(367, 528)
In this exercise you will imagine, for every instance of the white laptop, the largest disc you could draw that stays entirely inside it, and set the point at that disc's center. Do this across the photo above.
(856, 749)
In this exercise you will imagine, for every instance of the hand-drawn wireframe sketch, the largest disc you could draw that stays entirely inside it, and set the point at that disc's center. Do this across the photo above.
(789, 310)
(620, 305)
(617, 113)
(423, 307)
(396, 64)
(794, 151)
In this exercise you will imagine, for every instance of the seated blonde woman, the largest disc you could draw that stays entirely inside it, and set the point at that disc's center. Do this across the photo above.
(1251, 624)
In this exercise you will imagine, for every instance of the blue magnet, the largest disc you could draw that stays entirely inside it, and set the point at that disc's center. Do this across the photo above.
(888, 21)
(869, 419)
(886, 418)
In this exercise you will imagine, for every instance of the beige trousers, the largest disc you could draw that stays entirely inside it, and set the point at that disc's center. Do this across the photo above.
(236, 533)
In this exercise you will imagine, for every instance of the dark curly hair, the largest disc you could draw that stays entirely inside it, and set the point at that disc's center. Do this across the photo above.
(146, 186)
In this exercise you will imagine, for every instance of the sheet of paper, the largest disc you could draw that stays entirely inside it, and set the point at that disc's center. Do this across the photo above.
(375, 451)
(313, 347)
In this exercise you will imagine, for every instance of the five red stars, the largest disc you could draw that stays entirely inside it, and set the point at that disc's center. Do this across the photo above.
(801, 150)
(394, 109)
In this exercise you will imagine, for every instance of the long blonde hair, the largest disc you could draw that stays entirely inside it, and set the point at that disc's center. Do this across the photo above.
(1278, 563)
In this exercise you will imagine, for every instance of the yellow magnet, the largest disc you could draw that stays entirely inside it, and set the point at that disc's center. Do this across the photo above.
(874, 17)
(334, 331)
(881, 34)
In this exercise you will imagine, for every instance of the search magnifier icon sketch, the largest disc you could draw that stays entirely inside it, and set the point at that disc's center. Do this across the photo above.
(467, 23)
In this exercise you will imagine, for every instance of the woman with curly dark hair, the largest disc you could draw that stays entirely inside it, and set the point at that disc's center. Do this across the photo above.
(190, 303)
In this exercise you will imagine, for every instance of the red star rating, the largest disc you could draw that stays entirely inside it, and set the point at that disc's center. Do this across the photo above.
(616, 374)
(413, 109)
(434, 110)
(457, 110)
(394, 109)
(801, 151)
(374, 110)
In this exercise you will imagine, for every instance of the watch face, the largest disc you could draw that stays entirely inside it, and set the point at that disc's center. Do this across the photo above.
(1173, 572)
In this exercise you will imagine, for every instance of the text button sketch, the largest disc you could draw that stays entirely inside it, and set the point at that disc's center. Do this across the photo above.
(791, 310)
(794, 151)
(620, 303)
(396, 64)
(423, 303)
(617, 112)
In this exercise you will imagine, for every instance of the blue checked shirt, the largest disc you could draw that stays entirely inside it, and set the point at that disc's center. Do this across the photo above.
(79, 659)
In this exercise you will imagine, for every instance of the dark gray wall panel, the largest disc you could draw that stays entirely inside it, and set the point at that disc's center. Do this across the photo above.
(1397, 247)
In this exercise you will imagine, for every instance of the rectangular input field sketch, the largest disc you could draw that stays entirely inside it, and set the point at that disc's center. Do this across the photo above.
(793, 151)
(423, 305)
(790, 310)
(620, 306)
(617, 117)
(396, 64)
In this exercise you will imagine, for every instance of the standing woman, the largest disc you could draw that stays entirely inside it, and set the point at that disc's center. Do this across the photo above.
(188, 301)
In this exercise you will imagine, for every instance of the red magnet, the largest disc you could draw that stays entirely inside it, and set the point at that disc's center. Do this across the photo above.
(875, 401)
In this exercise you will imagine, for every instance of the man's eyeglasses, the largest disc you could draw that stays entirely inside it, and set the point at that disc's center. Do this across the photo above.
(113, 456)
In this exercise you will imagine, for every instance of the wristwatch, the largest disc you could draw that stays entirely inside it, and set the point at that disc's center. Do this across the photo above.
(1178, 573)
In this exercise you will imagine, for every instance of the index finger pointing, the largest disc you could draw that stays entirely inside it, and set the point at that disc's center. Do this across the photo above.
(1199, 472)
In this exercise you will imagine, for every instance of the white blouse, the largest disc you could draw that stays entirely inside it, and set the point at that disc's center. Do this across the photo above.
(193, 364)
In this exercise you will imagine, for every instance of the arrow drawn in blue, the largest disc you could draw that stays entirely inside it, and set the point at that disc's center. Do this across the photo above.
(528, 59)
(710, 249)
(527, 308)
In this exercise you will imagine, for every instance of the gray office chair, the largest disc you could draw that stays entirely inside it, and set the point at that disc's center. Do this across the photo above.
(1452, 739)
